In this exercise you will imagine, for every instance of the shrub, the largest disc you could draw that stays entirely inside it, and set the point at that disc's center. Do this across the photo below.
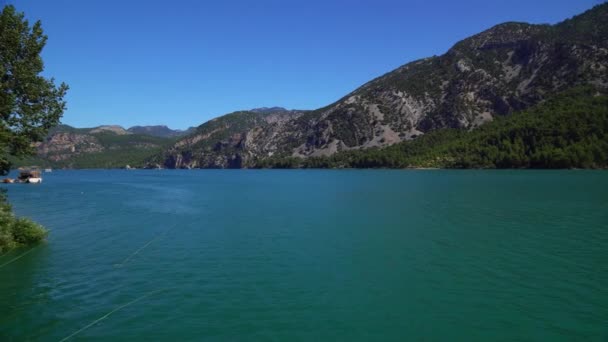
(26, 232)
(15, 232)
(6, 239)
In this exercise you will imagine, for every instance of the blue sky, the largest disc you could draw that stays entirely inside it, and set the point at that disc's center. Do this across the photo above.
(183, 62)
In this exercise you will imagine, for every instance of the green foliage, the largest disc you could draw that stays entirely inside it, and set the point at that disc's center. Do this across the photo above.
(26, 231)
(567, 131)
(587, 28)
(15, 232)
(29, 103)
(120, 150)
(111, 159)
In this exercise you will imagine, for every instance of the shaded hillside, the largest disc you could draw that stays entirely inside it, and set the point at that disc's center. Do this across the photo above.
(507, 68)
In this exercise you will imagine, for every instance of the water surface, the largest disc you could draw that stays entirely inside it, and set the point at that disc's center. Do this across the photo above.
(311, 255)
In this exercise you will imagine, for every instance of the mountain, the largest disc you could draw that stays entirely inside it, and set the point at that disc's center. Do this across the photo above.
(221, 142)
(98, 147)
(569, 130)
(160, 131)
(269, 110)
(508, 68)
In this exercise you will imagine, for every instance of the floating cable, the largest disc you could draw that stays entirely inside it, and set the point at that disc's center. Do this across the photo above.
(109, 313)
(19, 257)
(142, 248)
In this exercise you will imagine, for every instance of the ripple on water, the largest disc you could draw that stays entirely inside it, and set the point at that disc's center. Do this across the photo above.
(328, 255)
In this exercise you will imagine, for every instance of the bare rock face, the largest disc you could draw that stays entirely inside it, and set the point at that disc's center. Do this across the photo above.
(63, 145)
(507, 68)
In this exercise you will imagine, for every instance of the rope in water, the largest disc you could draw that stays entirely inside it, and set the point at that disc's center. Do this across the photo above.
(120, 265)
(19, 257)
(109, 313)
(142, 248)
(22, 255)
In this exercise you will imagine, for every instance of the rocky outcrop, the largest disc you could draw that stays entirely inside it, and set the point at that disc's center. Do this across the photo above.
(63, 145)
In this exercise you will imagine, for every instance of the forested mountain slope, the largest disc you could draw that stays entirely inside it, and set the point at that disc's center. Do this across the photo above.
(569, 130)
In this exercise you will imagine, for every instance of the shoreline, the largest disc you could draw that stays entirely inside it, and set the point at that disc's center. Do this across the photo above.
(335, 168)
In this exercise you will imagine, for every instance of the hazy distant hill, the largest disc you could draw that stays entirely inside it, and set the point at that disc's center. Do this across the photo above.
(160, 131)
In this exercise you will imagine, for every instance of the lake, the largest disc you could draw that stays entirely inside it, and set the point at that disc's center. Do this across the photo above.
(288, 255)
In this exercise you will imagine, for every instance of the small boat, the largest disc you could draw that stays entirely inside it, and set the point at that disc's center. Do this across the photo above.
(30, 176)
(8, 181)
(48, 170)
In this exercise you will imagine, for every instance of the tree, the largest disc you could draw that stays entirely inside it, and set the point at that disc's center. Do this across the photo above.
(29, 106)
(29, 103)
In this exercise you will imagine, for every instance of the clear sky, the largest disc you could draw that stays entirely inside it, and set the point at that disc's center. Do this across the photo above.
(183, 62)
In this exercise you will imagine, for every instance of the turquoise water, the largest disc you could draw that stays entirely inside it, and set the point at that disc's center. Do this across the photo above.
(311, 255)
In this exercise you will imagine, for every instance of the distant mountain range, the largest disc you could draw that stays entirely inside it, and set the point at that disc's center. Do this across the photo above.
(506, 69)
(108, 146)
(155, 131)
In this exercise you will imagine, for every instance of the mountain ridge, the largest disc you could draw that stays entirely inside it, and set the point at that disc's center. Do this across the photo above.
(160, 131)
(506, 68)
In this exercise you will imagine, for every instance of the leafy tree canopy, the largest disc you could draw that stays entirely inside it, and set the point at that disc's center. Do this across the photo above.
(29, 103)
